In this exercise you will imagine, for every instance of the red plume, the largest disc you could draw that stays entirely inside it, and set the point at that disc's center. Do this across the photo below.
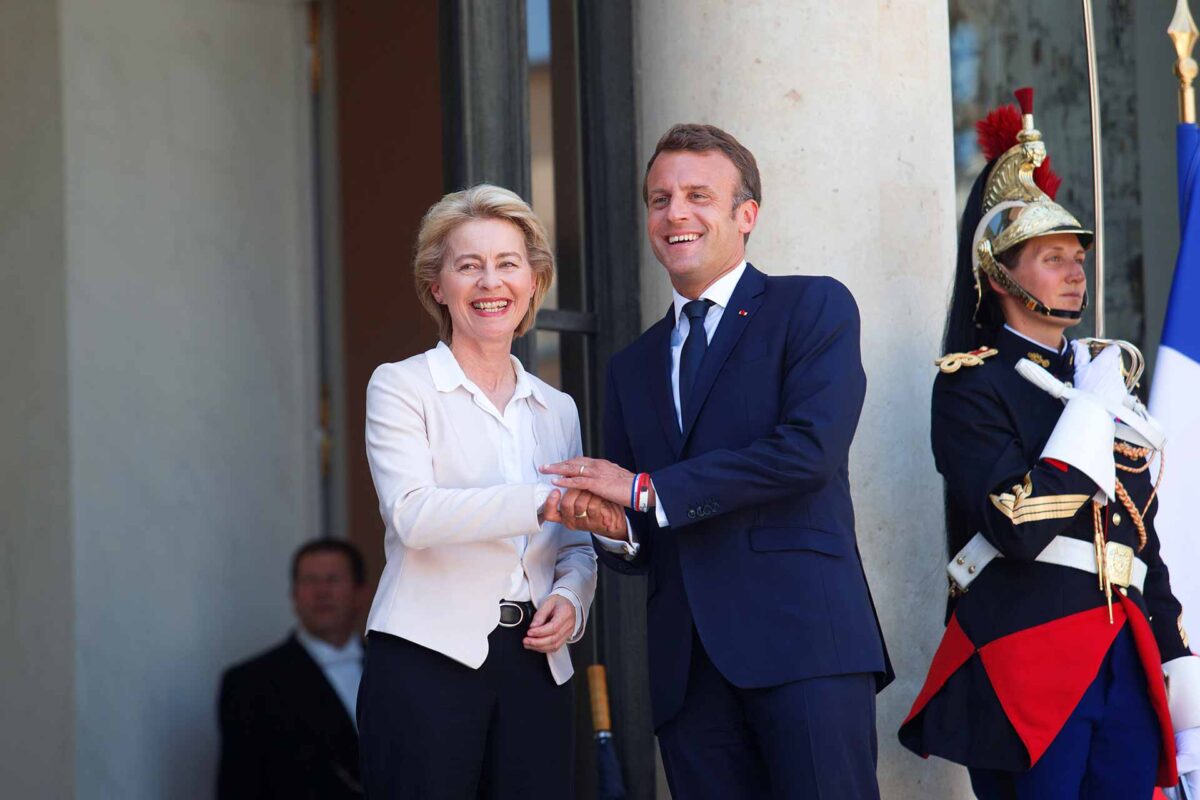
(1047, 179)
(1024, 96)
(998, 130)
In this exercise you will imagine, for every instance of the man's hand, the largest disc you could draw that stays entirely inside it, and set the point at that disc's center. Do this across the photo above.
(584, 511)
(602, 478)
(552, 625)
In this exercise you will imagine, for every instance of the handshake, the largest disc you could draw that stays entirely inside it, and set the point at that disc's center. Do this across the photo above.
(592, 496)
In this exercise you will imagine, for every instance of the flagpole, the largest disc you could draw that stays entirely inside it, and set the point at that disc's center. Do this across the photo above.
(1089, 37)
(1183, 33)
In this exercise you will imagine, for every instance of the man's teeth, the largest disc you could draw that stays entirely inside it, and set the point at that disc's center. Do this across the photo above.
(686, 237)
(490, 305)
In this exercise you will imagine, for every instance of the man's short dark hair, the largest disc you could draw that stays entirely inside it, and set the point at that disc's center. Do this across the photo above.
(357, 569)
(696, 138)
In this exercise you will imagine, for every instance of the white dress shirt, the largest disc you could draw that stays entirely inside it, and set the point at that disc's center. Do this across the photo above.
(719, 293)
(342, 667)
(511, 436)
(459, 494)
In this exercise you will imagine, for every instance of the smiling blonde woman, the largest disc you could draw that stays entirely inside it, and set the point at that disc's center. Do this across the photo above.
(464, 690)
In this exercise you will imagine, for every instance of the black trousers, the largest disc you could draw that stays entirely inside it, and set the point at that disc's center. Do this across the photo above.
(431, 728)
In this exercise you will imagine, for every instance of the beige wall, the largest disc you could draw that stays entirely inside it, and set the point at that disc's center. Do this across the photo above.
(36, 622)
(159, 406)
(847, 109)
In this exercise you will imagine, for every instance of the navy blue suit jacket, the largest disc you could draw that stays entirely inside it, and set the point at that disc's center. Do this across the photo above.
(760, 554)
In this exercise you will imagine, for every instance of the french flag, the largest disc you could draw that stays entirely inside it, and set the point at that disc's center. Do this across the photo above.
(1175, 393)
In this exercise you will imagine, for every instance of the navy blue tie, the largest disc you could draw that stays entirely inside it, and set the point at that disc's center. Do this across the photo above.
(694, 348)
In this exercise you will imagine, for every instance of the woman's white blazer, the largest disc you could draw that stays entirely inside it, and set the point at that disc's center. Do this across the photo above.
(450, 520)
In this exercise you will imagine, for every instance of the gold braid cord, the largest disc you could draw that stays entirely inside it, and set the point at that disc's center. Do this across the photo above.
(1135, 453)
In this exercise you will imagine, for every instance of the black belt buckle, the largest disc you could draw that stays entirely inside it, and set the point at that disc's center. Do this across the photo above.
(513, 614)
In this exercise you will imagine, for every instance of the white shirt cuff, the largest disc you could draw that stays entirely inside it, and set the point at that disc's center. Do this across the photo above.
(576, 634)
(660, 512)
(626, 549)
(1183, 691)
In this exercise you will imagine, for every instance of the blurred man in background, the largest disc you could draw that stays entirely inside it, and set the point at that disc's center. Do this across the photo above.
(287, 716)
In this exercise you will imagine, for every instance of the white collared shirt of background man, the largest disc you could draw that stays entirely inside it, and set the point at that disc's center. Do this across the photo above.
(719, 293)
(511, 435)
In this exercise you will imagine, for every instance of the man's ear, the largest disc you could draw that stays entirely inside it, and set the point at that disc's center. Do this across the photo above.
(747, 216)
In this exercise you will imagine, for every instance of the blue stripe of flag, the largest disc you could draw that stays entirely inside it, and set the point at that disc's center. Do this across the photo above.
(1181, 330)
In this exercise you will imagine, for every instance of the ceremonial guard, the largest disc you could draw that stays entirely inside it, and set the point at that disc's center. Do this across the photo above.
(1061, 624)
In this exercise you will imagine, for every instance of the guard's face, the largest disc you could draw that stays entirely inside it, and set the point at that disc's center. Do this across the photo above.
(324, 595)
(695, 230)
(486, 281)
(1051, 269)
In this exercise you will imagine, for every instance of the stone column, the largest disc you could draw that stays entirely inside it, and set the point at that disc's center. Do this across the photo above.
(847, 108)
(158, 413)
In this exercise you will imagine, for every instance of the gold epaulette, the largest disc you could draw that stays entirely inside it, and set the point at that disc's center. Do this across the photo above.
(953, 362)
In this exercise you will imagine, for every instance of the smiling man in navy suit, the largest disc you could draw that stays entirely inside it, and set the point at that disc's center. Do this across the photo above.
(728, 427)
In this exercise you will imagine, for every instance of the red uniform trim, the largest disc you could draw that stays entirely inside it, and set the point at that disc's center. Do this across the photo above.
(1041, 673)
(951, 654)
(1058, 465)
(1147, 649)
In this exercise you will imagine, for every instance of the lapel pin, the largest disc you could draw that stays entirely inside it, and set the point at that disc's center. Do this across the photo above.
(743, 312)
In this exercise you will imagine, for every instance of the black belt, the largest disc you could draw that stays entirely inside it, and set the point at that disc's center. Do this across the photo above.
(513, 613)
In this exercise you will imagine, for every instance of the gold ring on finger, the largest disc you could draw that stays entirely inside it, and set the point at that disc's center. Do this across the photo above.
(582, 467)
(581, 516)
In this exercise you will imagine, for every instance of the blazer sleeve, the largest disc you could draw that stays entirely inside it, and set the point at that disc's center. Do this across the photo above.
(575, 568)
(1018, 506)
(241, 770)
(1166, 613)
(822, 396)
(401, 459)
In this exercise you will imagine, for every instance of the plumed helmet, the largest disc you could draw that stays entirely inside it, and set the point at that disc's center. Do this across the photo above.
(1017, 200)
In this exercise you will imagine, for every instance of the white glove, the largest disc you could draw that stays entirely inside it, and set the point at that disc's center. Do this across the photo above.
(1187, 751)
(1100, 376)
(1083, 435)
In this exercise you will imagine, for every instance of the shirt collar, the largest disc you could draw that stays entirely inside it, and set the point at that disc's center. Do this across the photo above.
(448, 375)
(1059, 352)
(719, 292)
(325, 654)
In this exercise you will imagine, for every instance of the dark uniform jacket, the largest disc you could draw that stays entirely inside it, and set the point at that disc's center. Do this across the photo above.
(1027, 638)
(284, 731)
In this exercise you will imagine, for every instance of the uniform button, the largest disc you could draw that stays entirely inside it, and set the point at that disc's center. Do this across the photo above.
(960, 560)
(1116, 519)
(691, 513)
(971, 569)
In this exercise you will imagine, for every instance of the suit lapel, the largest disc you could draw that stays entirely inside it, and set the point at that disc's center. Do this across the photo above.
(746, 297)
(659, 365)
(326, 706)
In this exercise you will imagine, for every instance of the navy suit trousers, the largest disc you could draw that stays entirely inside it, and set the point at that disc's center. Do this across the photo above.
(811, 739)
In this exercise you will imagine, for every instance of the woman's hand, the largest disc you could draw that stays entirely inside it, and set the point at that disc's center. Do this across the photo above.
(584, 511)
(1101, 376)
(552, 625)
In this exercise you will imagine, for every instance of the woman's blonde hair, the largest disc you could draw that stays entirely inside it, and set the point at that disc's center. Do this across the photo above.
(483, 201)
